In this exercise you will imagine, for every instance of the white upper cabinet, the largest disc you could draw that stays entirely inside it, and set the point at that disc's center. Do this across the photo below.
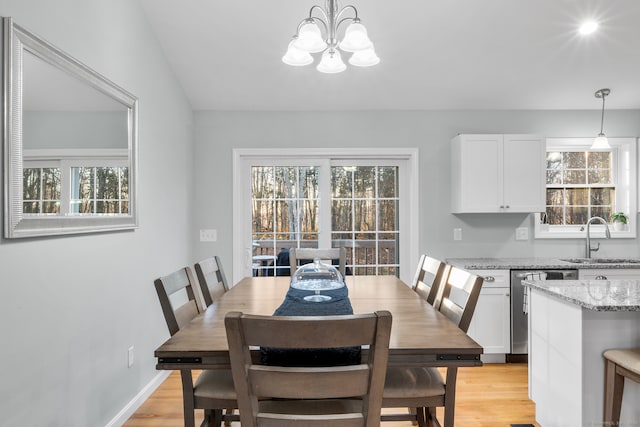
(497, 173)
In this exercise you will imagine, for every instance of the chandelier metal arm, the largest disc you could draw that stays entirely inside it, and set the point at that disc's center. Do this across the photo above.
(344, 9)
(319, 8)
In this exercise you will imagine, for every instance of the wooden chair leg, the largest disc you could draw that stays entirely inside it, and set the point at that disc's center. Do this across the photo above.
(209, 419)
(613, 389)
(421, 418)
(414, 412)
(430, 417)
(227, 423)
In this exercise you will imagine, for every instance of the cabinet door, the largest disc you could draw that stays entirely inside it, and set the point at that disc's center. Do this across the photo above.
(524, 173)
(608, 273)
(491, 323)
(490, 326)
(476, 173)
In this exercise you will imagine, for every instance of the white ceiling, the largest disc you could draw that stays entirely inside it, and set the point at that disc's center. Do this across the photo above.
(435, 54)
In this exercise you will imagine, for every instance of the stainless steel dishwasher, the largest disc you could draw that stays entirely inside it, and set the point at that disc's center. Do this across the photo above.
(519, 312)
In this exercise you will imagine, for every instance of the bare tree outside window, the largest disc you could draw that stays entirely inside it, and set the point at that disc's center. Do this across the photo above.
(579, 185)
(363, 208)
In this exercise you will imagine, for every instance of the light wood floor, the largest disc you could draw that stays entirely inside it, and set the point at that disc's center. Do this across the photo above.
(494, 395)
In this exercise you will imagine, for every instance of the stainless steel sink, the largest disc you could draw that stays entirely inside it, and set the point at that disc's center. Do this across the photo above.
(602, 260)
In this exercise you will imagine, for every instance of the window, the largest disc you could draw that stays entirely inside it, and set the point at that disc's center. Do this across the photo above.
(285, 206)
(284, 203)
(99, 190)
(286, 213)
(364, 217)
(75, 182)
(41, 190)
(581, 184)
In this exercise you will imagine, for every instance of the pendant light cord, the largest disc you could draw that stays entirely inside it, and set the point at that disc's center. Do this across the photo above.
(602, 117)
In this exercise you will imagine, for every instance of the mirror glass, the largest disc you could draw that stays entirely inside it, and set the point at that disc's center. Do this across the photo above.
(69, 142)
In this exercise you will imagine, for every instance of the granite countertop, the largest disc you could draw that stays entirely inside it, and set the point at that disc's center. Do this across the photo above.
(597, 295)
(542, 263)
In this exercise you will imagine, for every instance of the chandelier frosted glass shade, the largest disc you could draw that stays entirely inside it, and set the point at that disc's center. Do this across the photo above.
(355, 38)
(310, 39)
(296, 57)
(319, 33)
(331, 62)
(364, 58)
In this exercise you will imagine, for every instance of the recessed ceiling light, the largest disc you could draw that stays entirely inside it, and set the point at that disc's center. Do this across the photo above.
(588, 27)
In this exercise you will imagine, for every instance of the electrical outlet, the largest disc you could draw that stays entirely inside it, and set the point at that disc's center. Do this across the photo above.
(130, 357)
(522, 233)
(457, 234)
(210, 235)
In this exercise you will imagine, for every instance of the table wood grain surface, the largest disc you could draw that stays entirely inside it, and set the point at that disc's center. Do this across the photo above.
(420, 335)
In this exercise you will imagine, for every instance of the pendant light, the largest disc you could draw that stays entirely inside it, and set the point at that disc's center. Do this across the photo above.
(601, 142)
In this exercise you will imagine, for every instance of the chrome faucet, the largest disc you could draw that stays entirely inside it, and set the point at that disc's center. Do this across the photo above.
(588, 249)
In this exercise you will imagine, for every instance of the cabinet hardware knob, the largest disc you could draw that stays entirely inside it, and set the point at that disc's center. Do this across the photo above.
(489, 279)
(601, 278)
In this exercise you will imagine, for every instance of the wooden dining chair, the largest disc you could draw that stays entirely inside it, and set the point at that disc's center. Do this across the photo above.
(430, 279)
(299, 256)
(619, 365)
(300, 396)
(424, 388)
(213, 390)
(213, 282)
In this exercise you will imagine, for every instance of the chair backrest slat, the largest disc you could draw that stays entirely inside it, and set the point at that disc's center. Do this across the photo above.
(315, 383)
(301, 255)
(264, 333)
(345, 420)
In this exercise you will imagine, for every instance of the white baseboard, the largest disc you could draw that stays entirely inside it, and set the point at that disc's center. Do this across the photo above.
(138, 400)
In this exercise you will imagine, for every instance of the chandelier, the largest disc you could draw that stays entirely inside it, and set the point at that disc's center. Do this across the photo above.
(309, 39)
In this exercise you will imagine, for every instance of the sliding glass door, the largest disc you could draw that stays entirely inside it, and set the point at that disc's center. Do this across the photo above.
(323, 201)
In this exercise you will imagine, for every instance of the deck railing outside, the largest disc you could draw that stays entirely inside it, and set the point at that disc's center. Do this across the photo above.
(362, 257)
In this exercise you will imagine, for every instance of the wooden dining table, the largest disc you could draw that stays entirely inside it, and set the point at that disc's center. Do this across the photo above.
(420, 335)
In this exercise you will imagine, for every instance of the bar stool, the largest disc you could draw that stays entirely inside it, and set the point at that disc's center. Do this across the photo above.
(619, 364)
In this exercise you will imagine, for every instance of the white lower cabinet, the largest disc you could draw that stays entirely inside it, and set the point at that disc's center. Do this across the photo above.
(608, 273)
(491, 324)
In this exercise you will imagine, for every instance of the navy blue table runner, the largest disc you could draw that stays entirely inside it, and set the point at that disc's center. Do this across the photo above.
(295, 305)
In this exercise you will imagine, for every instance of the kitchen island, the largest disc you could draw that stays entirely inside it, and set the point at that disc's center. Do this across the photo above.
(571, 323)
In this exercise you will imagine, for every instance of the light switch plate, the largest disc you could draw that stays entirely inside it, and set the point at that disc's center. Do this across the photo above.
(457, 234)
(210, 235)
(522, 233)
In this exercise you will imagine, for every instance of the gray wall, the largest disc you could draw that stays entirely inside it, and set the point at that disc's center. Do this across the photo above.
(484, 235)
(70, 307)
(74, 129)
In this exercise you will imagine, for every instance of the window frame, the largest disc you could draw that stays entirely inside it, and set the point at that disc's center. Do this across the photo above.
(242, 161)
(624, 165)
(65, 159)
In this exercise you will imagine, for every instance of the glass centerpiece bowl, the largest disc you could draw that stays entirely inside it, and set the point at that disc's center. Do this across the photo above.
(317, 276)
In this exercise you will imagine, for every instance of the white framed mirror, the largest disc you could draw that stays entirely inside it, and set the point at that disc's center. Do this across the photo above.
(69, 142)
